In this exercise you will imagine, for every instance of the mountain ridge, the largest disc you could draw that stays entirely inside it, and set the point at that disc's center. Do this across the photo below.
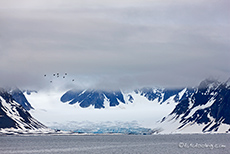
(207, 104)
(15, 119)
(205, 107)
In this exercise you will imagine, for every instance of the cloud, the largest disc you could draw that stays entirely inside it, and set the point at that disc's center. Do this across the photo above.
(114, 44)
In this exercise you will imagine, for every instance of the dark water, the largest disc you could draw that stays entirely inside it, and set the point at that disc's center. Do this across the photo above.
(116, 144)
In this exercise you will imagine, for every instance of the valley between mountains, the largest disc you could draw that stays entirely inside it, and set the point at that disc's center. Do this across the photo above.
(148, 110)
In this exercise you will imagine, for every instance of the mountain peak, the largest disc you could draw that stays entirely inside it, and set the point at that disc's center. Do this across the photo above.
(19, 97)
(88, 97)
(209, 83)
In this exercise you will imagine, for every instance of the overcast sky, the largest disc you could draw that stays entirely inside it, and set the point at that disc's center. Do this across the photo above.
(123, 43)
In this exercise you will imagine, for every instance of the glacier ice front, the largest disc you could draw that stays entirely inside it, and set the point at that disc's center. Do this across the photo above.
(107, 127)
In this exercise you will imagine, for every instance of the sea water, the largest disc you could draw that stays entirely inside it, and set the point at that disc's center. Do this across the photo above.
(117, 144)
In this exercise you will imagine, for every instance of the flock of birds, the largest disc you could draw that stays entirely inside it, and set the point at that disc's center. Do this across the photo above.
(57, 75)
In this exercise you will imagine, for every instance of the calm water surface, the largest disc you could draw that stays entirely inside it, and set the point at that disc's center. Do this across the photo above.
(116, 144)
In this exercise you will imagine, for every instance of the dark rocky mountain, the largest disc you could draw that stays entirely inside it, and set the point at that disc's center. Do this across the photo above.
(162, 95)
(13, 115)
(20, 98)
(150, 93)
(96, 98)
(207, 105)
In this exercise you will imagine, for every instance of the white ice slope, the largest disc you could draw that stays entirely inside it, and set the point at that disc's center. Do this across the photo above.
(51, 111)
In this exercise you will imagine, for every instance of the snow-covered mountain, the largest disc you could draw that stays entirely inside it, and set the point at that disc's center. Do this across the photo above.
(204, 108)
(14, 118)
(98, 98)
(65, 109)
(19, 97)
(201, 109)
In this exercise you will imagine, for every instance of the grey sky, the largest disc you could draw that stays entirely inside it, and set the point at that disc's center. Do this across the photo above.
(115, 43)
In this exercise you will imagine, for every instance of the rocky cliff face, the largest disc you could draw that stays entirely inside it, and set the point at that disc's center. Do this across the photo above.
(13, 115)
(96, 98)
(208, 106)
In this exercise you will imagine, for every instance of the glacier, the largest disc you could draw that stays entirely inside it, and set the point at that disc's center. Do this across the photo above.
(148, 110)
